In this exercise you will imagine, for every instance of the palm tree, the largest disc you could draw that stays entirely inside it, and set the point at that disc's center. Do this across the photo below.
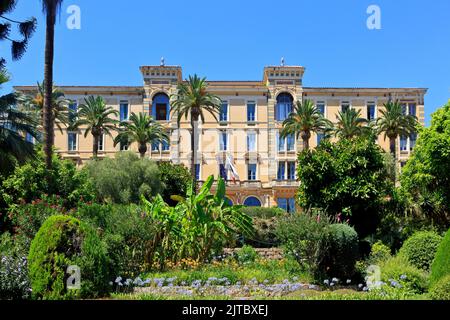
(193, 100)
(60, 106)
(50, 8)
(14, 125)
(394, 123)
(96, 116)
(141, 129)
(350, 124)
(304, 119)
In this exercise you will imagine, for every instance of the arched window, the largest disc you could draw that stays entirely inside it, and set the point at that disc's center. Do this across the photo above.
(161, 107)
(252, 202)
(228, 201)
(284, 106)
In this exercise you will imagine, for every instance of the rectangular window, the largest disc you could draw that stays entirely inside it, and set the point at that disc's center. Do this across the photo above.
(290, 140)
(223, 141)
(72, 141)
(412, 141)
(371, 111)
(223, 172)
(224, 112)
(197, 171)
(155, 146)
(252, 172)
(281, 171)
(412, 109)
(404, 109)
(251, 142)
(101, 145)
(281, 143)
(283, 110)
(320, 137)
(291, 171)
(287, 204)
(123, 111)
(345, 106)
(123, 146)
(321, 107)
(29, 138)
(251, 111)
(161, 112)
(165, 145)
(73, 109)
(403, 143)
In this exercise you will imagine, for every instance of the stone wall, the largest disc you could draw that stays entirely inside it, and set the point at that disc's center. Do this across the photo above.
(265, 253)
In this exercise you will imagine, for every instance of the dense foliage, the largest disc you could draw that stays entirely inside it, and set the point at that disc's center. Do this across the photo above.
(61, 242)
(125, 178)
(398, 268)
(421, 248)
(341, 252)
(426, 176)
(379, 253)
(441, 290)
(348, 179)
(198, 227)
(176, 179)
(33, 181)
(127, 234)
(441, 264)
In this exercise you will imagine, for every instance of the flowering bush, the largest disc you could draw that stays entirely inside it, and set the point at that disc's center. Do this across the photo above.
(14, 283)
(413, 279)
(26, 219)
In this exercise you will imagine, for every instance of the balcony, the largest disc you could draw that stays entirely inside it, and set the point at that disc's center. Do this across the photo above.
(285, 183)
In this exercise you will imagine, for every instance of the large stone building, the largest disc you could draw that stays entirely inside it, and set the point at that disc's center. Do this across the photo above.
(248, 131)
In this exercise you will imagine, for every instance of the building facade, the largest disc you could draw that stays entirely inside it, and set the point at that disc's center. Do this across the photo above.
(247, 134)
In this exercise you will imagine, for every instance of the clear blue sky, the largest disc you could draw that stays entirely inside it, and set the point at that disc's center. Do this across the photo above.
(235, 39)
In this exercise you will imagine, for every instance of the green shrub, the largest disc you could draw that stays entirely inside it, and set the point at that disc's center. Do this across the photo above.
(398, 268)
(247, 254)
(125, 178)
(176, 179)
(379, 253)
(264, 213)
(304, 237)
(340, 252)
(421, 248)
(127, 233)
(32, 181)
(264, 235)
(61, 242)
(441, 265)
(441, 290)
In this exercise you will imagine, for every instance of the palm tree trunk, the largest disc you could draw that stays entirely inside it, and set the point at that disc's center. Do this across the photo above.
(48, 85)
(143, 150)
(194, 145)
(393, 149)
(306, 144)
(95, 146)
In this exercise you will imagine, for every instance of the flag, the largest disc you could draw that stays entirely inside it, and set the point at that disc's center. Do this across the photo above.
(230, 166)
